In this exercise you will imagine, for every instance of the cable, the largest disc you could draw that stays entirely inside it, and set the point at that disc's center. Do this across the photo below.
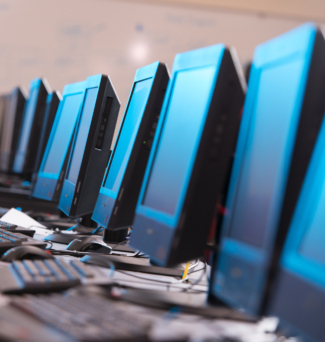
(120, 243)
(51, 243)
(199, 279)
(97, 230)
(111, 267)
(187, 267)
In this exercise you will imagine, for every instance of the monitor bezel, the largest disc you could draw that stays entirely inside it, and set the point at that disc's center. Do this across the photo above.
(28, 159)
(296, 271)
(263, 257)
(196, 59)
(143, 74)
(80, 198)
(69, 90)
(91, 82)
(291, 258)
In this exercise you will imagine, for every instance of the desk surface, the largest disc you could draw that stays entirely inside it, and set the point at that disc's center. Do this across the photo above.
(167, 325)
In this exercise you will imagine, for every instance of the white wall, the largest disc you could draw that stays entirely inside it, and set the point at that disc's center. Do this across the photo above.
(68, 40)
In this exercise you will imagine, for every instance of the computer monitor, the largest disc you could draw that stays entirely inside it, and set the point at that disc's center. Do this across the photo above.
(283, 111)
(12, 113)
(298, 297)
(3, 110)
(190, 156)
(29, 135)
(91, 147)
(52, 104)
(50, 176)
(118, 195)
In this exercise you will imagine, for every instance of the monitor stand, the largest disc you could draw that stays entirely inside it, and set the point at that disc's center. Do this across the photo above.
(86, 227)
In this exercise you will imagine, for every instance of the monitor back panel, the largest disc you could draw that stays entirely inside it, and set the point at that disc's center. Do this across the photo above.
(116, 202)
(52, 104)
(191, 153)
(298, 297)
(283, 111)
(4, 99)
(31, 127)
(11, 125)
(90, 149)
(51, 173)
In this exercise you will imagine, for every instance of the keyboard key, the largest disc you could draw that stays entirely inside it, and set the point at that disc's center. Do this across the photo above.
(31, 268)
(56, 270)
(82, 269)
(43, 269)
(22, 272)
(67, 269)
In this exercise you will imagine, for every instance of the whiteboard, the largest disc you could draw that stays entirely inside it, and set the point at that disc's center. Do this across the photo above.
(67, 40)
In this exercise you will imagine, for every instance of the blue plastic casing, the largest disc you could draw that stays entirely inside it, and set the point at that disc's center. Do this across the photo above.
(263, 159)
(90, 149)
(51, 173)
(132, 143)
(183, 151)
(31, 126)
(299, 296)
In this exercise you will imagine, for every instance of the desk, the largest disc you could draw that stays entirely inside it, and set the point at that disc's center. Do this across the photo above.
(171, 325)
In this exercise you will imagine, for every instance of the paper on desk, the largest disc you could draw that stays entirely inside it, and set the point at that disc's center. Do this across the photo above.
(19, 218)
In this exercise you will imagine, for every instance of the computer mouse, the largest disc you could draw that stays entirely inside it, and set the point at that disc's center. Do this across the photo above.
(85, 243)
(25, 252)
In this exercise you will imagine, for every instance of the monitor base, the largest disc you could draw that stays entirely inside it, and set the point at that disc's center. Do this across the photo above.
(131, 264)
(115, 236)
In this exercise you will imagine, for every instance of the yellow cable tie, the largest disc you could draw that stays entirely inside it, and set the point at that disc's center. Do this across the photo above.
(187, 267)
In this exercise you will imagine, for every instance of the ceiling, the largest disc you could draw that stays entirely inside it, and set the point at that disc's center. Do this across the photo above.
(302, 9)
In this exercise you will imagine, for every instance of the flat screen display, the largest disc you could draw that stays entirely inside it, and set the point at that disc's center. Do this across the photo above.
(64, 130)
(82, 134)
(3, 116)
(8, 123)
(128, 134)
(313, 242)
(263, 173)
(171, 168)
(28, 120)
(25, 130)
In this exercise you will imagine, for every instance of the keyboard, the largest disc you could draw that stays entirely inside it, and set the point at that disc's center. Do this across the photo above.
(85, 316)
(17, 229)
(48, 275)
(10, 238)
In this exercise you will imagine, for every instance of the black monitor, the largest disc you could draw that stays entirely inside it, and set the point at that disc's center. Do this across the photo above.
(190, 156)
(51, 172)
(298, 297)
(3, 109)
(91, 147)
(283, 111)
(30, 131)
(52, 104)
(12, 113)
(121, 185)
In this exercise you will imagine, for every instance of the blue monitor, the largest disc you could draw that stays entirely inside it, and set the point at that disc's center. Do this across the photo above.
(191, 153)
(282, 115)
(11, 124)
(298, 297)
(121, 185)
(30, 131)
(52, 169)
(52, 104)
(90, 148)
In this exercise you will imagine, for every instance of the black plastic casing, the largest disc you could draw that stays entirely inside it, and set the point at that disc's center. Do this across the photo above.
(13, 110)
(170, 245)
(26, 157)
(79, 199)
(118, 213)
(52, 104)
